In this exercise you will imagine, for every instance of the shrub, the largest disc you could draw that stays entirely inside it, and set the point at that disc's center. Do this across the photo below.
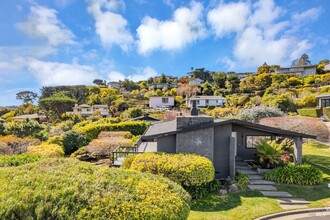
(242, 180)
(2, 128)
(309, 112)
(91, 131)
(73, 140)
(308, 101)
(17, 160)
(220, 112)
(256, 113)
(47, 150)
(103, 148)
(303, 174)
(72, 117)
(69, 189)
(326, 112)
(192, 171)
(132, 113)
(55, 140)
(65, 125)
(25, 128)
(15, 145)
(268, 153)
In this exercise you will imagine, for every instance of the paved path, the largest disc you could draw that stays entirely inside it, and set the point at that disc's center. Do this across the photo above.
(267, 188)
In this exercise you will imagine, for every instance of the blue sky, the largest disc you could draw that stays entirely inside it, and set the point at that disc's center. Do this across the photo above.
(67, 42)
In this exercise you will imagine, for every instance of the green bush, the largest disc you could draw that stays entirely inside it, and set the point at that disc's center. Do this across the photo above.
(303, 174)
(242, 180)
(309, 112)
(17, 160)
(193, 172)
(69, 189)
(91, 131)
(73, 140)
(72, 117)
(47, 150)
(55, 140)
(25, 128)
(2, 128)
(256, 113)
(268, 153)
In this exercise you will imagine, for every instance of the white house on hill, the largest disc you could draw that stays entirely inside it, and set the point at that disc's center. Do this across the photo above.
(204, 101)
(161, 102)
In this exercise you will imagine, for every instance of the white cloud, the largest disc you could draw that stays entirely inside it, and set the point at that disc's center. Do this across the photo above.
(54, 73)
(311, 14)
(140, 74)
(260, 37)
(227, 18)
(43, 23)
(110, 27)
(185, 27)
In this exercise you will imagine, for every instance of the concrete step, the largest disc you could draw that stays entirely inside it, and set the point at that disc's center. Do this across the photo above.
(247, 171)
(243, 167)
(276, 194)
(261, 182)
(291, 207)
(255, 177)
(262, 187)
(293, 201)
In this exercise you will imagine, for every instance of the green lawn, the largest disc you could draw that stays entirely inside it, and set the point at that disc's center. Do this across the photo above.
(251, 204)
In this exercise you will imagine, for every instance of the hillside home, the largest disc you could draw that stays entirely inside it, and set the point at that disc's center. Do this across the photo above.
(34, 117)
(161, 102)
(305, 70)
(204, 101)
(115, 85)
(223, 141)
(163, 85)
(87, 110)
(324, 100)
(196, 81)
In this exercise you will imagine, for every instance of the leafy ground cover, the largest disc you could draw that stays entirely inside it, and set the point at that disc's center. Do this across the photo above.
(251, 204)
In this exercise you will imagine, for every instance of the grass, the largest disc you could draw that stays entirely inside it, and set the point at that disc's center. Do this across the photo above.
(251, 204)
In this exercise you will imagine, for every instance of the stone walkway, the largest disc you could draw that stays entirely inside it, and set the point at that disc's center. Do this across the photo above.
(268, 189)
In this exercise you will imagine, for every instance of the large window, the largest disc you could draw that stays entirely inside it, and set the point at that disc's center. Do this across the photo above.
(164, 100)
(325, 103)
(252, 140)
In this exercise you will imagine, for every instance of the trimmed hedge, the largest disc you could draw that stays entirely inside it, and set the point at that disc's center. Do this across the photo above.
(47, 150)
(17, 160)
(69, 189)
(194, 172)
(91, 131)
(309, 112)
(303, 174)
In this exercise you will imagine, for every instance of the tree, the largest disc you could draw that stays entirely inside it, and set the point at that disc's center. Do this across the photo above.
(219, 79)
(303, 60)
(187, 90)
(57, 104)
(263, 80)
(26, 96)
(263, 69)
(99, 82)
(25, 128)
(232, 82)
(129, 85)
(207, 89)
(201, 73)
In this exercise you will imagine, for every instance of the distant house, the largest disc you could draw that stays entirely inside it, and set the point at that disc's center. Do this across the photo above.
(87, 110)
(163, 85)
(324, 100)
(196, 81)
(204, 101)
(34, 117)
(304, 70)
(161, 102)
(115, 85)
(242, 76)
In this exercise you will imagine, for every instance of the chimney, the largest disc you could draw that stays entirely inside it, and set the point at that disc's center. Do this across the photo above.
(184, 122)
(194, 111)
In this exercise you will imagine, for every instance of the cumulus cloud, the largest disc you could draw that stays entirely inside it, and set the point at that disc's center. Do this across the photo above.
(260, 37)
(140, 74)
(42, 23)
(228, 18)
(111, 27)
(185, 27)
(54, 73)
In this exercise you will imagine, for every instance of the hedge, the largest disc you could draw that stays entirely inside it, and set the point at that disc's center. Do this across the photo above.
(309, 112)
(303, 174)
(69, 189)
(193, 172)
(47, 150)
(91, 131)
(17, 160)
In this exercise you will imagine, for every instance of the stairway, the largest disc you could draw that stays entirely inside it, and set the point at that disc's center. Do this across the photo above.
(268, 189)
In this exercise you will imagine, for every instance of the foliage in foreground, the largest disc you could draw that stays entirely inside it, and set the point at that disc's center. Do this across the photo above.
(195, 173)
(69, 189)
(242, 180)
(303, 174)
(17, 160)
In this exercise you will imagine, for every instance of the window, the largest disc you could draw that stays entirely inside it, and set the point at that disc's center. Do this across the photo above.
(164, 100)
(197, 103)
(251, 140)
(206, 102)
(325, 103)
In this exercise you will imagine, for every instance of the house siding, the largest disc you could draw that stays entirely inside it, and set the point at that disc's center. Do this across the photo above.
(222, 134)
(166, 144)
(154, 102)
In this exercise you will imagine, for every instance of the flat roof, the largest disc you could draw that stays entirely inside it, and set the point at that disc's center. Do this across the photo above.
(323, 95)
(206, 97)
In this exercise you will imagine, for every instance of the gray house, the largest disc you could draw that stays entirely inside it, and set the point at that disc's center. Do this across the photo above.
(222, 141)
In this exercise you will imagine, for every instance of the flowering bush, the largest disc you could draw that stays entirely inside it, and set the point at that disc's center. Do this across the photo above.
(256, 113)
(47, 150)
